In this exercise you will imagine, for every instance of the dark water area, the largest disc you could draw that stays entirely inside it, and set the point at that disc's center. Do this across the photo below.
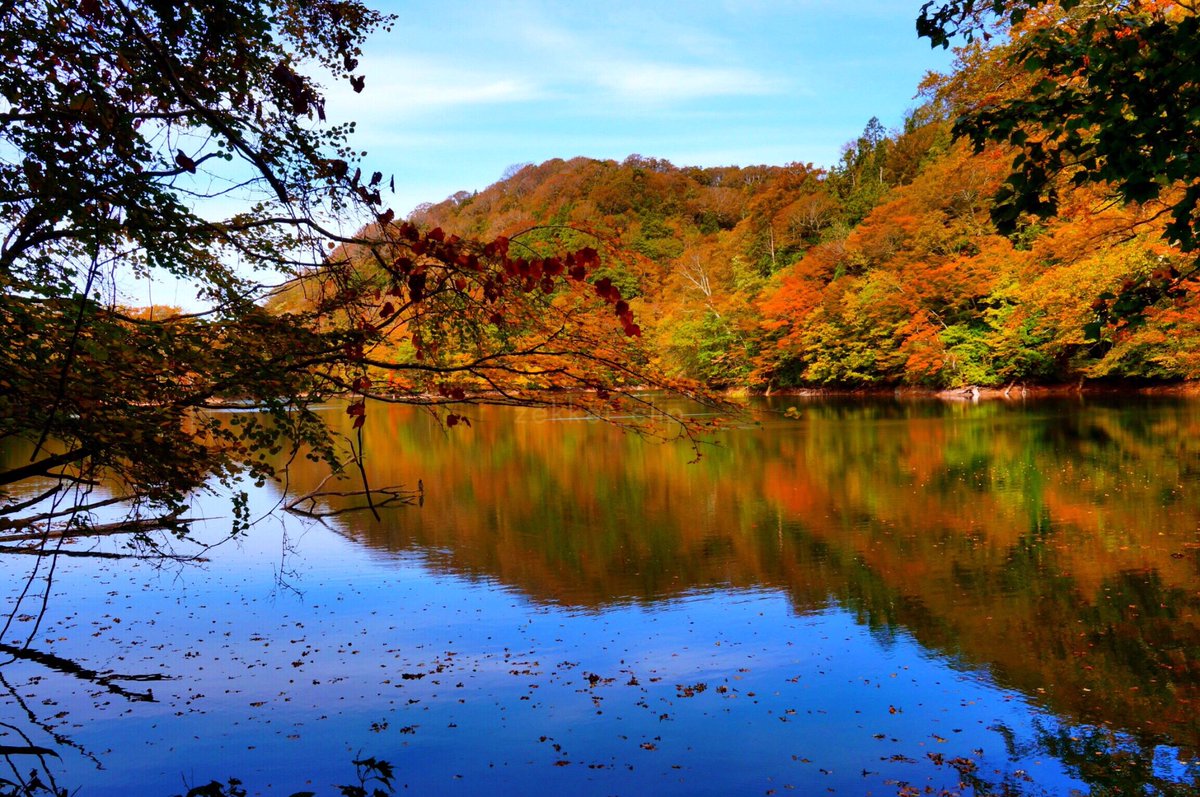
(863, 597)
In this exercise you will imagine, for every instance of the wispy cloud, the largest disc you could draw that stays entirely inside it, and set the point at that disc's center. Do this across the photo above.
(645, 59)
(466, 90)
(407, 87)
(664, 83)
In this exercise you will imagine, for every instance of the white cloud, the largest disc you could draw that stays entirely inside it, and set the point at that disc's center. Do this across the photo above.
(458, 91)
(664, 83)
(403, 88)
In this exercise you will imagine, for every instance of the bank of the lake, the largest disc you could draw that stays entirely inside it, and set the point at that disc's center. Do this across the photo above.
(1014, 391)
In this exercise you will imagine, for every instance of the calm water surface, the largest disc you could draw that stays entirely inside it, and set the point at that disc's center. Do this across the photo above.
(867, 598)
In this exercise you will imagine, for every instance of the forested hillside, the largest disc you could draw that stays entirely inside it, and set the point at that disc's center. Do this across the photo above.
(884, 270)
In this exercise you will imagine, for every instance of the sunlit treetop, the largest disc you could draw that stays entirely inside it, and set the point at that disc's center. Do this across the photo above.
(1117, 100)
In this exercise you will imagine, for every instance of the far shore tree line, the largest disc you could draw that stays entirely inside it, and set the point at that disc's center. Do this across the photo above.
(1008, 232)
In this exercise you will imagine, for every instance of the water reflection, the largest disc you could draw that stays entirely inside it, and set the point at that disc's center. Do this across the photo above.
(1053, 544)
(861, 596)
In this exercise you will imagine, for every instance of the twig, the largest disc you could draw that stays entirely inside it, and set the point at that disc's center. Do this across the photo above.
(394, 496)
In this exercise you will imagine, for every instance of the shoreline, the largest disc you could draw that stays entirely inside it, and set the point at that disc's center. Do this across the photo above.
(1014, 392)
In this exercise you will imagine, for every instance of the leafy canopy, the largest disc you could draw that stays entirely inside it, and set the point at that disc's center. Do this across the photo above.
(1116, 101)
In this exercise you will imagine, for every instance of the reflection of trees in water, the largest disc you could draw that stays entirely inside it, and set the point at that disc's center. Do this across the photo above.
(73, 525)
(1050, 543)
(1109, 763)
(1112, 764)
(1053, 546)
(28, 744)
(29, 772)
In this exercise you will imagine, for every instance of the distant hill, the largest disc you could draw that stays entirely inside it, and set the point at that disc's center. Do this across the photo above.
(884, 270)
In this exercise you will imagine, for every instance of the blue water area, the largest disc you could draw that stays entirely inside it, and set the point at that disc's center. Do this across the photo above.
(285, 667)
(858, 598)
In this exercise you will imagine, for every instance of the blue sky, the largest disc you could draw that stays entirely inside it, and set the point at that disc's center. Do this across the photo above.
(461, 89)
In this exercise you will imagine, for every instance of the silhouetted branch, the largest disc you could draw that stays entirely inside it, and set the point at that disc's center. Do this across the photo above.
(393, 496)
(9, 549)
(130, 526)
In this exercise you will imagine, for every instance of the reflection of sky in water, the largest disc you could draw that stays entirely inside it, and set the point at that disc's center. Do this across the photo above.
(715, 692)
(581, 613)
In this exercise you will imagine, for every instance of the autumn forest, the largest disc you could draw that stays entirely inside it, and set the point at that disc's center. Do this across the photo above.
(884, 270)
(616, 476)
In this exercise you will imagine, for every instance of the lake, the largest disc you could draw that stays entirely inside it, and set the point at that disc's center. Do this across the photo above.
(859, 597)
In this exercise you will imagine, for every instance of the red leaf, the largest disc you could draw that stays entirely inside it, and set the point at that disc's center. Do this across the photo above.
(416, 285)
(359, 421)
(497, 248)
(451, 420)
(387, 309)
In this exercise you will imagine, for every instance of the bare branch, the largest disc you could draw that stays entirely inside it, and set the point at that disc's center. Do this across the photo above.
(393, 496)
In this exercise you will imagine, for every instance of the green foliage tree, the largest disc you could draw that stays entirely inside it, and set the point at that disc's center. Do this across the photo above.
(860, 178)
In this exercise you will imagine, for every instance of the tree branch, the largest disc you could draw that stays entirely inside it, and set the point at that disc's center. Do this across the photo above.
(43, 466)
